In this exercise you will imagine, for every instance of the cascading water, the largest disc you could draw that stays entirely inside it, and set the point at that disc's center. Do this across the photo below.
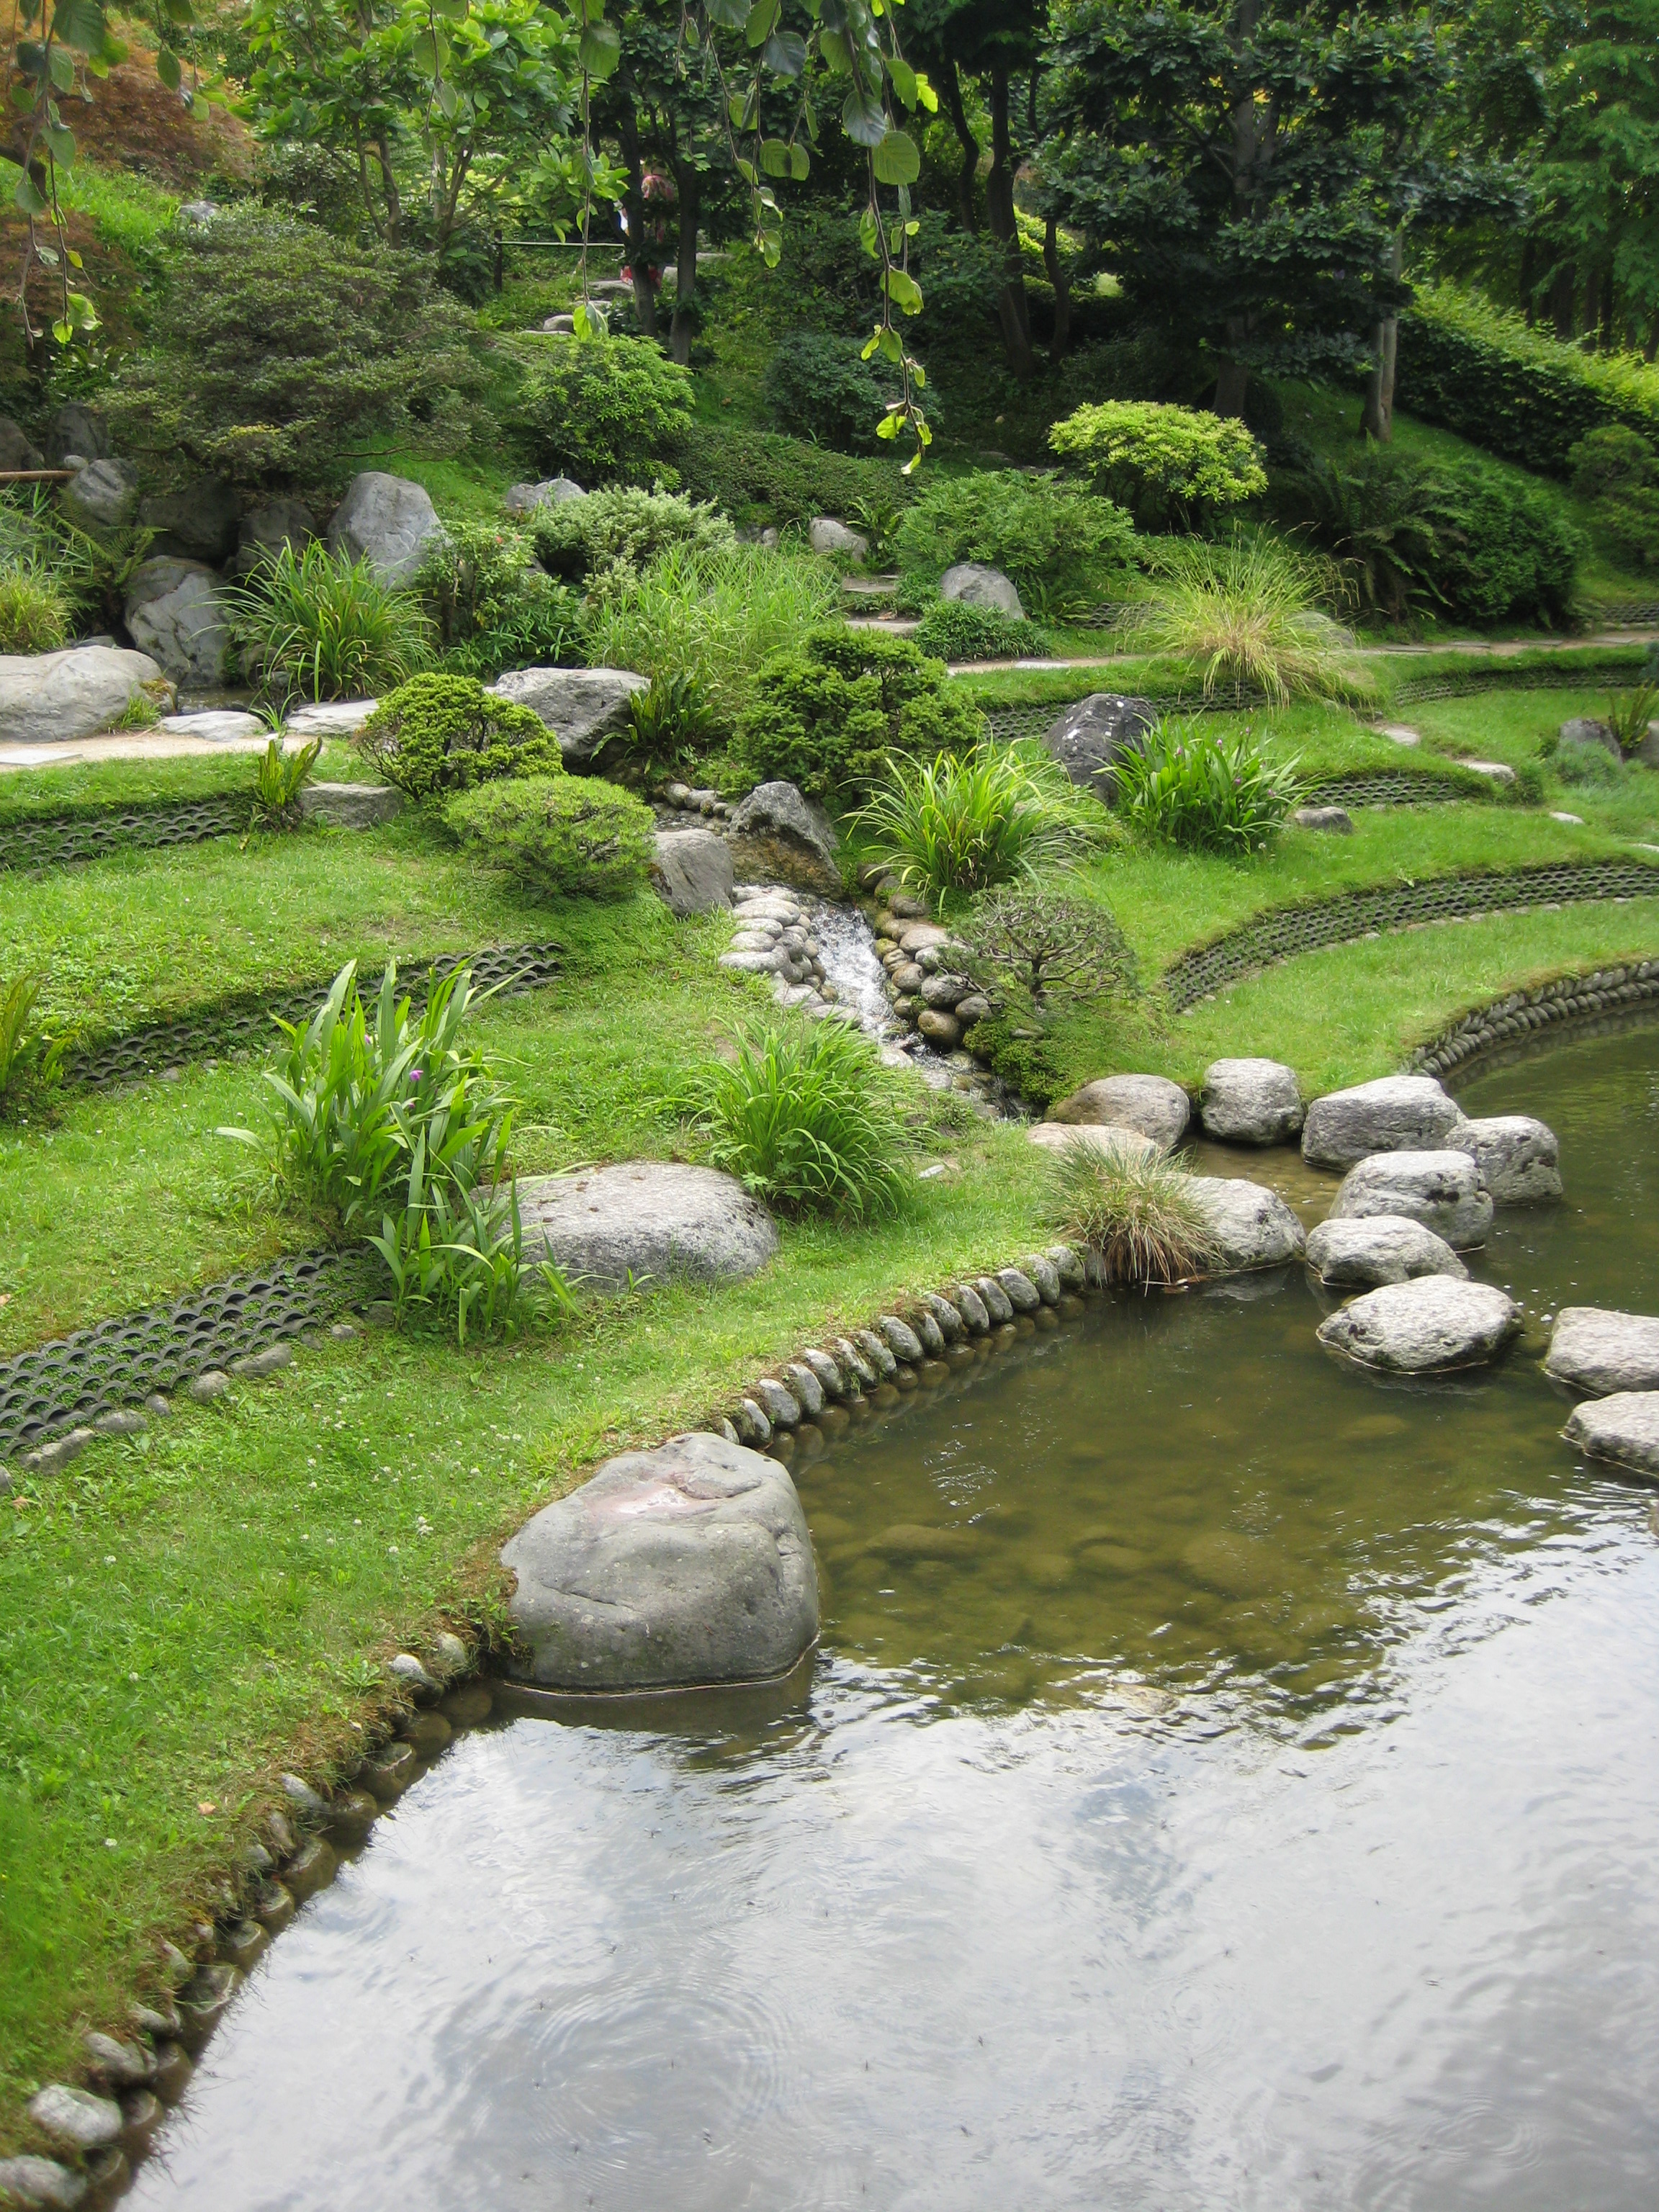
(846, 946)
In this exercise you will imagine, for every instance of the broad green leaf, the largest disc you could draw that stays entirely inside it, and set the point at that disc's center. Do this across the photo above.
(85, 314)
(762, 22)
(180, 12)
(925, 94)
(862, 119)
(73, 258)
(741, 109)
(63, 332)
(896, 160)
(61, 64)
(452, 11)
(903, 78)
(837, 59)
(21, 99)
(589, 321)
(888, 427)
(444, 93)
(600, 49)
(730, 15)
(80, 24)
(62, 142)
(424, 54)
(167, 68)
(785, 53)
(774, 157)
(748, 172)
(28, 196)
(903, 291)
(799, 166)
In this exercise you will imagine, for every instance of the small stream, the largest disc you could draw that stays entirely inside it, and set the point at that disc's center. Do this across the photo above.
(1226, 1780)
(847, 946)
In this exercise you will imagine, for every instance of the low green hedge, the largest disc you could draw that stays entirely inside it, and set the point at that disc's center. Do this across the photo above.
(749, 472)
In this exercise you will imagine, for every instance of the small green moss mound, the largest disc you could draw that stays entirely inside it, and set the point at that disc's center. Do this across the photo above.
(445, 733)
(566, 836)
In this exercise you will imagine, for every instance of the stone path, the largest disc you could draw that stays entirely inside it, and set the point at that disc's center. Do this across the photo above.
(201, 731)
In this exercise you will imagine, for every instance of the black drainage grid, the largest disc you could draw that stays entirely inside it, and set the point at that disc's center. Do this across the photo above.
(1288, 931)
(37, 842)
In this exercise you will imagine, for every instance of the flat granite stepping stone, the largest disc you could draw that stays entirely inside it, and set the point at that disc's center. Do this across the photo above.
(1396, 1114)
(1432, 1325)
(1440, 1189)
(688, 1564)
(1252, 1227)
(1624, 1428)
(1516, 1156)
(1160, 1110)
(1599, 1351)
(645, 1221)
(1366, 1250)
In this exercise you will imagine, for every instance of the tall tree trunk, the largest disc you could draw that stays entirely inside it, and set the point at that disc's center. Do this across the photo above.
(1232, 378)
(1013, 309)
(1060, 342)
(1564, 292)
(394, 206)
(1251, 134)
(687, 186)
(1609, 315)
(952, 84)
(1376, 419)
(645, 297)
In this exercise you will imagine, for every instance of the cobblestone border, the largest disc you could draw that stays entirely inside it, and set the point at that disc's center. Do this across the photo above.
(1521, 1014)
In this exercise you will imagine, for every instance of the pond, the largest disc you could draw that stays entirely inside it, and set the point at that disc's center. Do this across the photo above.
(1226, 1780)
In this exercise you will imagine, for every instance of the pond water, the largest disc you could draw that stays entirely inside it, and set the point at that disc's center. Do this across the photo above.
(1226, 1780)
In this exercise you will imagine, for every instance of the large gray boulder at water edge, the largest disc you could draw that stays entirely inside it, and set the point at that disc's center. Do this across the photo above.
(386, 522)
(1440, 1189)
(1599, 1351)
(1251, 1227)
(1396, 1114)
(778, 837)
(1089, 738)
(175, 614)
(102, 497)
(551, 491)
(201, 521)
(52, 698)
(582, 707)
(691, 871)
(688, 1564)
(1160, 1110)
(1426, 1326)
(1102, 1136)
(976, 585)
(645, 1221)
(1514, 1156)
(1361, 1252)
(40, 2184)
(1624, 1428)
(1250, 1101)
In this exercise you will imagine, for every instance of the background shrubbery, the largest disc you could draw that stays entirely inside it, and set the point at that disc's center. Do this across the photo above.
(826, 715)
(602, 410)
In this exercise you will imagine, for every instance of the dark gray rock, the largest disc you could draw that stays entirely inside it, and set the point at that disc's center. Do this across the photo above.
(208, 1387)
(75, 2116)
(388, 522)
(1396, 1114)
(1516, 1157)
(102, 497)
(972, 1306)
(1441, 1189)
(1021, 1292)
(254, 1366)
(691, 871)
(805, 1387)
(53, 698)
(995, 1299)
(690, 1564)
(175, 613)
(831, 1381)
(1624, 1428)
(552, 491)
(201, 521)
(901, 1339)
(118, 2065)
(311, 1867)
(856, 1364)
(947, 1317)
(1582, 730)
(1249, 1227)
(76, 429)
(264, 530)
(781, 836)
(1068, 1267)
(583, 707)
(1603, 1352)
(1039, 1269)
(1151, 1104)
(17, 449)
(645, 1221)
(1426, 1326)
(1089, 738)
(1366, 1250)
(350, 805)
(206, 1997)
(40, 2182)
(1250, 1101)
(878, 1352)
(977, 586)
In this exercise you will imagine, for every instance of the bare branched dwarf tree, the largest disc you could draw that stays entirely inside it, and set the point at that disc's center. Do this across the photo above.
(1035, 949)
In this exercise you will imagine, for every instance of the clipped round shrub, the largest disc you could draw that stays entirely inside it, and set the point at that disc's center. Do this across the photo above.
(825, 715)
(1169, 466)
(625, 527)
(441, 734)
(1518, 557)
(566, 836)
(604, 409)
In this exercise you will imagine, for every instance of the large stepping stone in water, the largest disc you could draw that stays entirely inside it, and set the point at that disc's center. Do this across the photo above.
(1250, 1101)
(1430, 1326)
(645, 1221)
(1396, 1114)
(1599, 1351)
(688, 1564)
(1440, 1189)
(1160, 1110)
(1624, 1428)
(1517, 1157)
(1364, 1251)
(1252, 1227)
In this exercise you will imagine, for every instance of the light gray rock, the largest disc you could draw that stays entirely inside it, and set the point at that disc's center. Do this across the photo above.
(1103, 1137)
(1624, 1428)
(690, 1564)
(947, 1317)
(208, 1387)
(1334, 821)
(582, 707)
(976, 585)
(121, 2065)
(1603, 1352)
(551, 491)
(1368, 1249)
(32, 2182)
(350, 805)
(1516, 1157)
(264, 530)
(831, 1381)
(1068, 1267)
(53, 698)
(1396, 1114)
(827, 535)
(50, 1459)
(1250, 1101)
(214, 725)
(1582, 730)
(1088, 740)
(691, 871)
(972, 1308)
(102, 497)
(1424, 1326)
(17, 449)
(329, 717)
(1441, 1189)
(1042, 1271)
(386, 522)
(75, 2116)
(176, 615)
(201, 521)
(994, 1298)
(878, 1352)
(1152, 1104)
(1021, 1292)
(781, 836)
(1250, 1227)
(647, 1220)
(76, 429)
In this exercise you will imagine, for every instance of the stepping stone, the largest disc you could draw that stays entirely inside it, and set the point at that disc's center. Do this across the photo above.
(645, 1221)
(329, 717)
(218, 726)
(350, 805)
(1440, 1189)
(1624, 1428)
(1400, 732)
(1599, 1351)
(1336, 820)
(1366, 1251)
(688, 1564)
(1250, 1101)
(1578, 820)
(1252, 1227)
(1430, 1326)
(1515, 1157)
(1104, 1137)
(1160, 1110)
(1498, 771)
(1396, 1114)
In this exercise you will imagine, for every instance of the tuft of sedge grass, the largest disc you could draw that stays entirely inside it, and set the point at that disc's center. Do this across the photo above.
(1134, 1209)
(1246, 612)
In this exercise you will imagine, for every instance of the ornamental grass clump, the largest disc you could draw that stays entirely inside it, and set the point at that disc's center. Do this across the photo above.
(442, 734)
(315, 626)
(35, 611)
(278, 779)
(797, 1116)
(1245, 613)
(1136, 1211)
(963, 822)
(1184, 785)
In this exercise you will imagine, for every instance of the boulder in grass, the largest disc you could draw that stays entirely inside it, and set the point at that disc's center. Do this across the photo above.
(1396, 1114)
(685, 1565)
(1516, 1157)
(1597, 1350)
(1440, 1189)
(1090, 738)
(1624, 1428)
(102, 497)
(1432, 1325)
(1366, 1250)
(1250, 1101)
(53, 698)
(1250, 1227)
(521, 499)
(975, 585)
(387, 521)
(645, 1221)
(779, 836)
(1160, 1110)
(825, 535)
(584, 707)
(1103, 1137)
(691, 871)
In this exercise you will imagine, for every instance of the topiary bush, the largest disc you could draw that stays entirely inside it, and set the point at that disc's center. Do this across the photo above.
(820, 387)
(1518, 556)
(625, 527)
(566, 836)
(602, 410)
(952, 630)
(1172, 467)
(1052, 539)
(826, 715)
(442, 732)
